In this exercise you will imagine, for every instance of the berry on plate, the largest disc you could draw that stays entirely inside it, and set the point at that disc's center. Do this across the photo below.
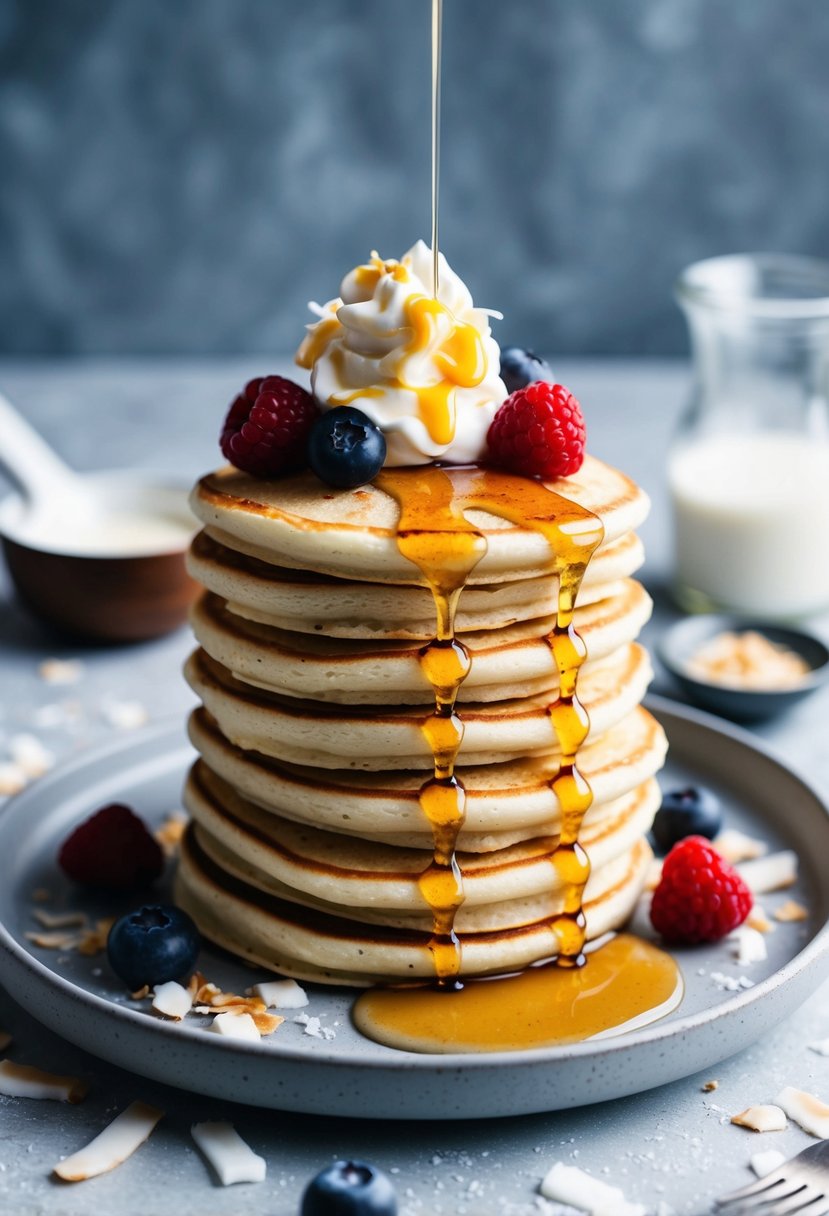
(266, 430)
(152, 945)
(521, 367)
(112, 851)
(345, 448)
(693, 811)
(539, 432)
(349, 1188)
(700, 897)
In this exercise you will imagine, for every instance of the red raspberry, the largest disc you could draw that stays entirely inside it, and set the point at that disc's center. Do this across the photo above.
(266, 429)
(539, 431)
(701, 897)
(113, 851)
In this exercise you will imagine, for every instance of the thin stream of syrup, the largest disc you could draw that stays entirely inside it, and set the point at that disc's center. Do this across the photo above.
(437, 40)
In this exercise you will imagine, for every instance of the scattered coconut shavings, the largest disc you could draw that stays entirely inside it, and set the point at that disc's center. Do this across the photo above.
(5, 1039)
(821, 1048)
(758, 920)
(570, 1185)
(761, 1119)
(94, 941)
(735, 846)
(208, 998)
(59, 920)
(25, 1081)
(805, 1109)
(710, 1086)
(731, 983)
(231, 1158)
(172, 1000)
(29, 753)
(113, 1145)
(12, 779)
(770, 873)
(88, 941)
(54, 939)
(124, 715)
(314, 1027)
(60, 671)
(790, 911)
(748, 946)
(281, 994)
(236, 1026)
(170, 832)
(765, 1163)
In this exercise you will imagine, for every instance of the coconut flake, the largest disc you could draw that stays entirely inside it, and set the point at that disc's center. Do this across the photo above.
(25, 1081)
(735, 846)
(749, 946)
(114, 1144)
(12, 779)
(60, 671)
(805, 1109)
(59, 920)
(314, 1027)
(29, 753)
(790, 911)
(758, 920)
(232, 1159)
(568, 1184)
(761, 1119)
(172, 1000)
(239, 1026)
(766, 1163)
(124, 715)
(170, 832)
(771, 873)
(281, 994)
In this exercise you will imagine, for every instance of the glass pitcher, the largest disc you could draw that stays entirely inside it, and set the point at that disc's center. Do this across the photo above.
(749, 467)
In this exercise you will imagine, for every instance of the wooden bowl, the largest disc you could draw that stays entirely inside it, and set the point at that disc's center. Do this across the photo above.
(107, 596)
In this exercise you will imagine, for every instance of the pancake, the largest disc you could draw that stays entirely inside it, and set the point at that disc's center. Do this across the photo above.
(306, 602)
(511, 662)
(327, 736)
(311, 944)
(504, 802)
(352, 534)
(278, 855)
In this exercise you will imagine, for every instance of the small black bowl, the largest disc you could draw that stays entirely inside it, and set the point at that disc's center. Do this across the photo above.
(681, 642)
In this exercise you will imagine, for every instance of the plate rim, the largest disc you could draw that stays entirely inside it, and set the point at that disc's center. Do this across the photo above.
(165, 728)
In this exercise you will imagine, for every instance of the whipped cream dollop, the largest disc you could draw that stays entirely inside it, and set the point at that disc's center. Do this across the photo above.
(425, 370)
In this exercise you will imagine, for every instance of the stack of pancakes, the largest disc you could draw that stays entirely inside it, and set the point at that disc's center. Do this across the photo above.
(308, 838)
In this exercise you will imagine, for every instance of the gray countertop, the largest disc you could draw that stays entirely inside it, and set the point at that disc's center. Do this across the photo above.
(671, 1147)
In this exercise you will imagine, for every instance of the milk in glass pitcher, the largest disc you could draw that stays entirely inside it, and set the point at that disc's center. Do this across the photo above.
(749, 468)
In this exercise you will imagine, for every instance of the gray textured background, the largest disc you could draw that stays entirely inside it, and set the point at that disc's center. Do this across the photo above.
(183, 175)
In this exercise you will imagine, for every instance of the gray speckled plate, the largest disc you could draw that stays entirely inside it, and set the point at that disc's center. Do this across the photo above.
(348, 1075)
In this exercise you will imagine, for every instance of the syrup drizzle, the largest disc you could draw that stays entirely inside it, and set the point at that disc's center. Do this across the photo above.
(434, 533)
(437, 40)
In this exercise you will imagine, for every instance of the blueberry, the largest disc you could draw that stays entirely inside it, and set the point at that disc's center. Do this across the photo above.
(520, 367)
(345, 448)
(155, 944)
(686, 812)
(349, 1188)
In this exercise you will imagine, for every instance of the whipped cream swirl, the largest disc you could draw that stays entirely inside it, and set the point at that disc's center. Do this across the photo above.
(425, 371)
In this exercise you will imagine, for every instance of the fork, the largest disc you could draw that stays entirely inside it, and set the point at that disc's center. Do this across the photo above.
(799, 1186)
